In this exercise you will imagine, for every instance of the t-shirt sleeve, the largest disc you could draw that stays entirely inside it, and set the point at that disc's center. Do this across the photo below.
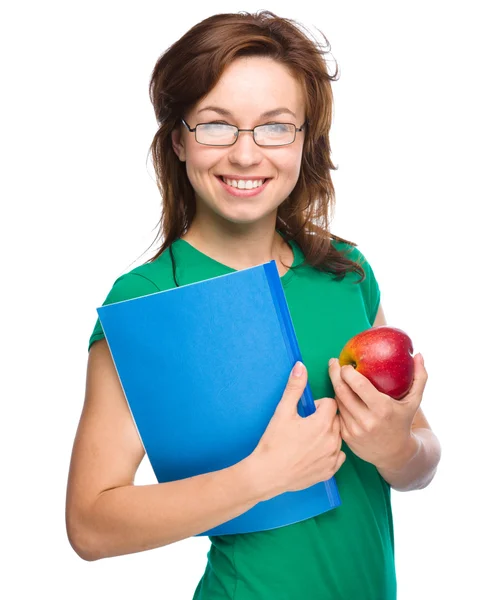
(126, 287)
(370, 290)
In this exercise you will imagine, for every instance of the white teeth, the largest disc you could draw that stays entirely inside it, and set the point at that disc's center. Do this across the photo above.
(243, 184)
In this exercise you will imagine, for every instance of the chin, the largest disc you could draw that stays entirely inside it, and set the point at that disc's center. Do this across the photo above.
(247, 215)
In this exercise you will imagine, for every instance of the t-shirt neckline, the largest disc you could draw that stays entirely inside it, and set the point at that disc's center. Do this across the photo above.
(284, 278)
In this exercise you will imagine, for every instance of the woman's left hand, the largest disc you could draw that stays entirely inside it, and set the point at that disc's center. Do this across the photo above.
(376, 427)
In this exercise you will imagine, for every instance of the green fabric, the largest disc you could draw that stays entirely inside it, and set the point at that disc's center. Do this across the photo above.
(348, 552)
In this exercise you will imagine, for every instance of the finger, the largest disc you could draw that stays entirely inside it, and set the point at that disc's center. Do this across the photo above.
(349, 432)
(346, 421)
(420, 376)
(339, 438)
(326, 404)
(336, 425)
(344, 394)
(293, 390)
(340, 460)
(414, 395)
(326, 414)
(361, 386)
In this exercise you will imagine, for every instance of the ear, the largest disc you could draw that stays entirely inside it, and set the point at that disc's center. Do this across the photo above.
(178, 144)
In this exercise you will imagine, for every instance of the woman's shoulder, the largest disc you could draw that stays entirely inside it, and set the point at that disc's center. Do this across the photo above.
(352, 252)
(142, 280)
(348, 249)
(134, 282)
(146, 278)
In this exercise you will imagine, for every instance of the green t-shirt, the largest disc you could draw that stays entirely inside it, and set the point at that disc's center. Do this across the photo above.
(346, 553)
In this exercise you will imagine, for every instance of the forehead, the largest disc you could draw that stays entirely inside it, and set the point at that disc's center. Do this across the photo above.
(251, 86)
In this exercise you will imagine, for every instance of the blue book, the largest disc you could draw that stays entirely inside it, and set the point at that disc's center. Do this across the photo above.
(203, 367)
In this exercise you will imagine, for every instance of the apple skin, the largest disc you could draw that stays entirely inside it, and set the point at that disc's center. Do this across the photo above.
(383, 355)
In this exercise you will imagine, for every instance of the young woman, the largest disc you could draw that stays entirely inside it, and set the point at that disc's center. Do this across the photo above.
(242, 157)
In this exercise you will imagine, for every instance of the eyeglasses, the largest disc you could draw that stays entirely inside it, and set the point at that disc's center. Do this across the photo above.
(222, 134)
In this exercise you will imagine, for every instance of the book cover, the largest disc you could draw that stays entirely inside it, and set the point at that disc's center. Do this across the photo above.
(203, 367)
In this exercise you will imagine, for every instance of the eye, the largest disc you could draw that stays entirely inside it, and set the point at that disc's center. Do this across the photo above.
(277, 127)
(217, 126)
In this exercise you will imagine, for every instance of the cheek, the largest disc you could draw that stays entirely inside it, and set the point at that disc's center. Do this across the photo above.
(198, 163)
(290, 166)
(292, 159)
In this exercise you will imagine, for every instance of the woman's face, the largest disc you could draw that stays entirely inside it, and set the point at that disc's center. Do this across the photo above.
(248, 88)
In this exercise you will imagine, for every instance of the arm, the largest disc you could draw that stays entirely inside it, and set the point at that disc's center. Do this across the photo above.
(106, 514)
(416, 466)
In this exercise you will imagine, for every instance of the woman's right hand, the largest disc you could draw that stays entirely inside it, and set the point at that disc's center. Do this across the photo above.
(296, 452)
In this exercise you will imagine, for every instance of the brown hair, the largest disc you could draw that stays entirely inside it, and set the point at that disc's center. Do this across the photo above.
(191, 67)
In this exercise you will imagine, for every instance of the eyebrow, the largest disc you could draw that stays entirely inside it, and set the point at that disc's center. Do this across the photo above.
(270, 113)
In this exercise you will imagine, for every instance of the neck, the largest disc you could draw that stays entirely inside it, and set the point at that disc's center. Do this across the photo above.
(239, 248)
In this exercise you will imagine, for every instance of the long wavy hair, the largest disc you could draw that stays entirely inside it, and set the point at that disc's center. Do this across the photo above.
(191, 67)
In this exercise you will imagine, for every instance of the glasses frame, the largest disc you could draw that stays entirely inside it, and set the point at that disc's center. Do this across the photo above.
(193, 130)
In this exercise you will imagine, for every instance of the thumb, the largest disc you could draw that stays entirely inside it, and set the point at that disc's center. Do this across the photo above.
(420, 375)
(294, 389)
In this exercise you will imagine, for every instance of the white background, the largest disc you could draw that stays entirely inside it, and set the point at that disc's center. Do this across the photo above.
(416, 136)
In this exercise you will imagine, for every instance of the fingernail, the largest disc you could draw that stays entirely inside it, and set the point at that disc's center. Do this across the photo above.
(298, 369)
(331, 361)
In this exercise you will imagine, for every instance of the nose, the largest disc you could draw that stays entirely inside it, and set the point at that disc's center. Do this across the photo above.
(245, 151)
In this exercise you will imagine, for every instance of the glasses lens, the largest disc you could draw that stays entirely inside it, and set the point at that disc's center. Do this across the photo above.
(275, 134)
(216, 134)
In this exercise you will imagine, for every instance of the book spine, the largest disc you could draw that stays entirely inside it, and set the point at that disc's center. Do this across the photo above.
(291, 342)
(287, 329)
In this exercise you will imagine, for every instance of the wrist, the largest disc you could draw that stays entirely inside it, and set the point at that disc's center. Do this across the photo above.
(254, 471)
(403, 457)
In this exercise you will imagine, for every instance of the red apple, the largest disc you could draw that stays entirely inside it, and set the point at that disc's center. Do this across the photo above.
(384, 356)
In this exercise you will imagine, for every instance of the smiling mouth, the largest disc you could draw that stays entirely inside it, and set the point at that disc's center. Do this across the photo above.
(247, 186)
